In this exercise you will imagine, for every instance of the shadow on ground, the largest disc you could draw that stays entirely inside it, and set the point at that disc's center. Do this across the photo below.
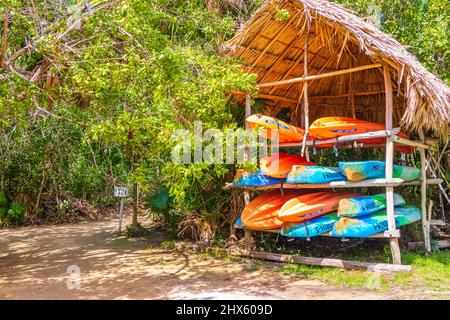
(34, 263)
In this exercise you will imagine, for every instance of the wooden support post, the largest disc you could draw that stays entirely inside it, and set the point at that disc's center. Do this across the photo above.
(248, 113)
(248, 109)
(305, 98)
(423, 193)
(395, 248)
(248, 233)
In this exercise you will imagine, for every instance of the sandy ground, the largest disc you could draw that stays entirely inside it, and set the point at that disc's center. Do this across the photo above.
(34, 264)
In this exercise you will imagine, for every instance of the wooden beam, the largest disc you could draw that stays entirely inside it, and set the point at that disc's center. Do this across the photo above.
(395, 182)
(266, 96)
(353, 137)
(441, 244)
(277, 98)
(428, 182)
(295, 101)
(410, 143)
(423, 194)
(395, 248)
(346, 95)
(318, 76)
(322, 262)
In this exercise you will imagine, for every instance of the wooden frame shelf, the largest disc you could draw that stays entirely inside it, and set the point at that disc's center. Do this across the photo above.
(391, 136)
(327, 234)
(360, 137)
(342, 184)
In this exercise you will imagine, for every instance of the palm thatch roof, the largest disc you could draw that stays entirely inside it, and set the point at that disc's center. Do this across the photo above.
(273, 47)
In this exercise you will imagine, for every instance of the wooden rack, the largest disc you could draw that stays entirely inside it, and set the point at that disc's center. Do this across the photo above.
(391, 135)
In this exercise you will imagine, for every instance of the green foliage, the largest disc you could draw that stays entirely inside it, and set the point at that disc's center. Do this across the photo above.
(118, 78)
(159, 201)
(15, 214)
(281, 15)
(421, 25)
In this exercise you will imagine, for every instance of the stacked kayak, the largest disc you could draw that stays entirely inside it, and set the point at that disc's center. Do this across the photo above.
(314, 174)
(311, 228)
(262, 212)
(362, 170)
(308, 206)
(278, 165)
(360, 206)
(275, 128)
(305, 213)
(369, 225)
(257, 179)
(332, 127)
(361, 216)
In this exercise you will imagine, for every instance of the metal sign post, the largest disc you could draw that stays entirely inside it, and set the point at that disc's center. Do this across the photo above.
(122, 193)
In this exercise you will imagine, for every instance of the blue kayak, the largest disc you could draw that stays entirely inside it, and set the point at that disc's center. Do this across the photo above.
(375, 223)
(257, 179)
(360, 206)
(314, 174)
(311, 228)
(362, 170)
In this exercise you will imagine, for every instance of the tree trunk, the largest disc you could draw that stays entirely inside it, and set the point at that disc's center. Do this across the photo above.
(4, 39)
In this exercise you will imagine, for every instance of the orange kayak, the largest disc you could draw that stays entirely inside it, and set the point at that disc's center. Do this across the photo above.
(275, 127)
(278, 165)
(262, 212)
(309, 206)
(332, 127)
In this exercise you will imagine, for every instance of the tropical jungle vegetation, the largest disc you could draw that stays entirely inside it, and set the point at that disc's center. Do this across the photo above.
(91, 91)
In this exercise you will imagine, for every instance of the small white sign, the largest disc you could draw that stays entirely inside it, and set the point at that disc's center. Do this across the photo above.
(121, 192)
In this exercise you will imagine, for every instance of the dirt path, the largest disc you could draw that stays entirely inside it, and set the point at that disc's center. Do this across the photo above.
(34, 263)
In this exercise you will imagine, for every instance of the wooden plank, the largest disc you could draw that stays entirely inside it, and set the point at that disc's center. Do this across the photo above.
(441, 244)
(438, 223)
(318, 76)
(341, 184)
(395, 248)
(276, 98)
(353, 137)
(328, 234)
(351, 94)
(322, 262)
(419, 182)
(347, 184)
(410, 143)
(294, 101)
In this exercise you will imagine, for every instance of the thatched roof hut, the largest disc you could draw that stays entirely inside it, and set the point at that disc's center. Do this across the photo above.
(272, 44)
